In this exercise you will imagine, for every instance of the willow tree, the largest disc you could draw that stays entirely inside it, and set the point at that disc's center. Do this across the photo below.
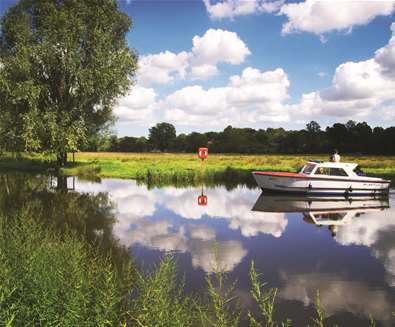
(63, 64)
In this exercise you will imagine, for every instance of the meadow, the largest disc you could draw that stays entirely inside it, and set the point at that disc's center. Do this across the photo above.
(185, 168)
(160, 169)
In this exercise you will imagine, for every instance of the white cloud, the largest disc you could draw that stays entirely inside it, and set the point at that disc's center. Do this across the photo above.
(252, 97)
(219, 46)
(324, 16)
(204, 71)
(386, 56)
(161, 68)
(137, 106)
(213, 47)
(357, 89)
(233, 8)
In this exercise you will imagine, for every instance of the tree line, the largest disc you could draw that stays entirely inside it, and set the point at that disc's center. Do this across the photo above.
(352, 137)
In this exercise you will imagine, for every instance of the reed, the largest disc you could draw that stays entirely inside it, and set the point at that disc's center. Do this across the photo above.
(49, 279)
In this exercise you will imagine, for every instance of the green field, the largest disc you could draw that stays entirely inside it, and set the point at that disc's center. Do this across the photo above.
(186, 168)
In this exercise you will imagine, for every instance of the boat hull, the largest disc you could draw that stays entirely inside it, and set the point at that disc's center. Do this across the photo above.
(322, 186)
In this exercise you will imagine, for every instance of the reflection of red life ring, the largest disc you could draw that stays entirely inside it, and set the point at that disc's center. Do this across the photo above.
(203, 153)
(202, 200)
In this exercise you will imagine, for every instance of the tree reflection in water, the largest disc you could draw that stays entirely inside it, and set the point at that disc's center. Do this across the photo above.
(52, 200)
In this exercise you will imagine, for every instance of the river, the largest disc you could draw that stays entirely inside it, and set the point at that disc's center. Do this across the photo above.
(343, 248)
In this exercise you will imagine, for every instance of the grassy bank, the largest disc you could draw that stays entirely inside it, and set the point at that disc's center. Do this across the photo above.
(179, 169)
(163, 168)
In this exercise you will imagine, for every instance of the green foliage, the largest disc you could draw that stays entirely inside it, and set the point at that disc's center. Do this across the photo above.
(160, 301)
(162, 136)
(48, 279)
(318, 321)
(222, 308)
(63, 65)
(265, 299)
(358, 138)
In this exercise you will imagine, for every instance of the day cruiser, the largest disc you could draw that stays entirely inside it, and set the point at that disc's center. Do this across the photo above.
(323, 178)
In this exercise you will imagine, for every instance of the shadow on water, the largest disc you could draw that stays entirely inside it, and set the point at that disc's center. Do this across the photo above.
(55, 202)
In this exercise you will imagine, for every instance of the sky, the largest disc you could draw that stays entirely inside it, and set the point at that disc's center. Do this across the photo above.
(207, 64)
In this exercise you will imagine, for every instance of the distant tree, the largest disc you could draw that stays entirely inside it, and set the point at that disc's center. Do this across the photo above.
(180, 144)
(162, 136)
(194, 141)
(313, 127)
(63, 64)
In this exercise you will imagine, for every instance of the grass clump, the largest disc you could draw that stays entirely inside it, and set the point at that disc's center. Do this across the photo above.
(48, 279)
(160, 301)
(318, 321)
(265, 299)
(222, 308)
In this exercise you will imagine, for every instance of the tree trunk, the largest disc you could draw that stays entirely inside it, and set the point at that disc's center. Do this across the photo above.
(62, 158)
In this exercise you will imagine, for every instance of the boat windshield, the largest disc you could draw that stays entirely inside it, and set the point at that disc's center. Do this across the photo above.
(307, 169)
(358, 170)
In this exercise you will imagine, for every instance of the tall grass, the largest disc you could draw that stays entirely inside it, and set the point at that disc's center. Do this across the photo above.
(48, 279)
(160, 300)
(222, 308)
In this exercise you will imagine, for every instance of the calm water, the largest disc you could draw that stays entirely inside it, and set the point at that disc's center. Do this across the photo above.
(346, 249)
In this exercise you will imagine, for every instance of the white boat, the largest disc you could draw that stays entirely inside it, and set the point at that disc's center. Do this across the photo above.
(323, 178)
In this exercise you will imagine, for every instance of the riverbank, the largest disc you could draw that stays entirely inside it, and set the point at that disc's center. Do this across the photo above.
(179, 168)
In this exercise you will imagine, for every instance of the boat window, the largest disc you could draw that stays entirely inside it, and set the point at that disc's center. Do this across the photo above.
(358, 170)
(308, 169)
(338, 172)
(322, 171)
(331, 171)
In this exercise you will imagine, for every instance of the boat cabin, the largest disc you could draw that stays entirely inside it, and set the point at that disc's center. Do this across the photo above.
(339, 169)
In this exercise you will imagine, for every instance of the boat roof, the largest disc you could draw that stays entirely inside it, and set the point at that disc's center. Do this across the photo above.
(331, 164)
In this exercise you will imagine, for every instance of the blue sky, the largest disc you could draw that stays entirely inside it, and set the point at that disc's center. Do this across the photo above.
(205, 64)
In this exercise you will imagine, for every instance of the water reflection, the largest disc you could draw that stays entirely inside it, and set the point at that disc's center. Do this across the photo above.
(338, 294)
(322, 211)
(354, 268)
(55, 202)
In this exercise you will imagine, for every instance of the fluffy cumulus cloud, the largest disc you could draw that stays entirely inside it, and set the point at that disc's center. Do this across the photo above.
(385, 56)
(161, 68)
(232, 8)
(338, 295)
(213, 47)
(358, 88)
(137, 106)
(320, 17)
(254, 96)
